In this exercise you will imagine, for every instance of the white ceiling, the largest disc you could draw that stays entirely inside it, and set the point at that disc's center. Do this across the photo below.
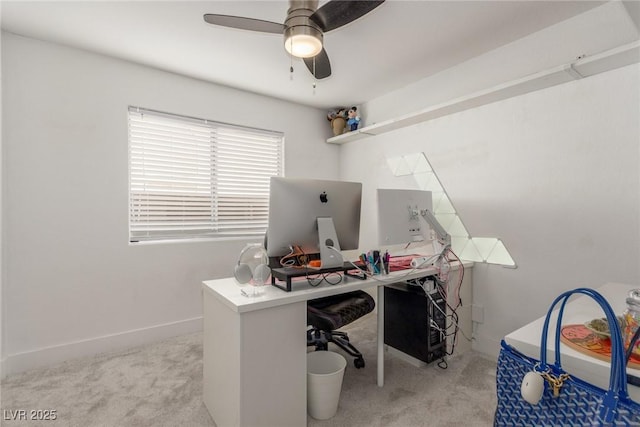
(396, 44)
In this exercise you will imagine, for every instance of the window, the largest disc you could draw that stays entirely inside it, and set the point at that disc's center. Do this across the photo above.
(198, 178)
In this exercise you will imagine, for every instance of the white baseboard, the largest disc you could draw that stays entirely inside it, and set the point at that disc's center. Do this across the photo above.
(20, 362)
(486, 345)
(3, 368)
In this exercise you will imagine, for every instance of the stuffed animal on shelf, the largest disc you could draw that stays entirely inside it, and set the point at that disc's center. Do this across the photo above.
(353, 120)
(338, 119)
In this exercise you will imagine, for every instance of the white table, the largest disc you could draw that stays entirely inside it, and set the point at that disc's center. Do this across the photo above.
(580, 310)
(255, 352)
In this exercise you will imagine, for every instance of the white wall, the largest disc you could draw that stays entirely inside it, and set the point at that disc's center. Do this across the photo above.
(597, 30)
(74, 285)
(553, 173)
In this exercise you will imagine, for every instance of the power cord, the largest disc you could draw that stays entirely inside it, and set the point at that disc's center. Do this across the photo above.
(442, 281)
(296, 258)
(442, 262)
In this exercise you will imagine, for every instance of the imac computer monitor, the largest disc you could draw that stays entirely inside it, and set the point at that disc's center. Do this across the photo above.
(400, 219)
(316, 215)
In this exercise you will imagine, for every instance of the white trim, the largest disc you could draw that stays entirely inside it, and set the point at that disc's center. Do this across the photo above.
(20, 362)
(486, 345)
(3, 368)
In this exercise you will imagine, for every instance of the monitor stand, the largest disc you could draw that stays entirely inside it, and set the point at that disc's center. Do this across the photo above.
(327, 236)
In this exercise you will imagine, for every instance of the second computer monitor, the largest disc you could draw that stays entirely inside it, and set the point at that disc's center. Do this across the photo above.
(399, 216)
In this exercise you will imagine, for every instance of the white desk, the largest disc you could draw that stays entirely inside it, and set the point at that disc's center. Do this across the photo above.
(580, 310)
(255, 366)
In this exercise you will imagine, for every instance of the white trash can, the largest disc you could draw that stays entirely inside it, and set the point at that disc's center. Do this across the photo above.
(325, 370)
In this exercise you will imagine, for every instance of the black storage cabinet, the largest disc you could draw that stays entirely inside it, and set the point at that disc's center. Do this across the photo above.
(407, 321)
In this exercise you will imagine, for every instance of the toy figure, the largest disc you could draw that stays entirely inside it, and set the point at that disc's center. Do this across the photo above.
(338, 121)
(354, 119)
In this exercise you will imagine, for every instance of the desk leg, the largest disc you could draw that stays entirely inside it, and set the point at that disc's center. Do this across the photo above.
(380, 336)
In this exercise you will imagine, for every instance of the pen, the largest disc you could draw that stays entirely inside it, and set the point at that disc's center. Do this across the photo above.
(387, 257)
(374, 270)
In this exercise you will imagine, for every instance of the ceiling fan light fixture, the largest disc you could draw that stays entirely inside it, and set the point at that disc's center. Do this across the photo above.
(303, 42)
(304, 28)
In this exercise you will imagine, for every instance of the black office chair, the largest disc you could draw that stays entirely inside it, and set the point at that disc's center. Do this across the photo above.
(327, 314)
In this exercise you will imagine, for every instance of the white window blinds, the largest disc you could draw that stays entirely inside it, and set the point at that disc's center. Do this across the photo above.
(197, 178)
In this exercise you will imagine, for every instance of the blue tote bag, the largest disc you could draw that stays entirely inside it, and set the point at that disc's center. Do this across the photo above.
(566, 400)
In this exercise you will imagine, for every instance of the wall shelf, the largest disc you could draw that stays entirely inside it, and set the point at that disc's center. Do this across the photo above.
(615, 58)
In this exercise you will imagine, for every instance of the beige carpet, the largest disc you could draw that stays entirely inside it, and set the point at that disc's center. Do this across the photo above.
(161, 385)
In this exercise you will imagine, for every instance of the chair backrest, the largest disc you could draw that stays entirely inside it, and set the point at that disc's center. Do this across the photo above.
(335, 311)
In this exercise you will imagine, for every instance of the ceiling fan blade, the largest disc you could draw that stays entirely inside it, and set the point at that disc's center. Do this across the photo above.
(319, 65)
(337, 13)
(244, 23)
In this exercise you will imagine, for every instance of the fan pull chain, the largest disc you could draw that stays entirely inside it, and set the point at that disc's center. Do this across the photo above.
(314, 75)
(291, 61)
